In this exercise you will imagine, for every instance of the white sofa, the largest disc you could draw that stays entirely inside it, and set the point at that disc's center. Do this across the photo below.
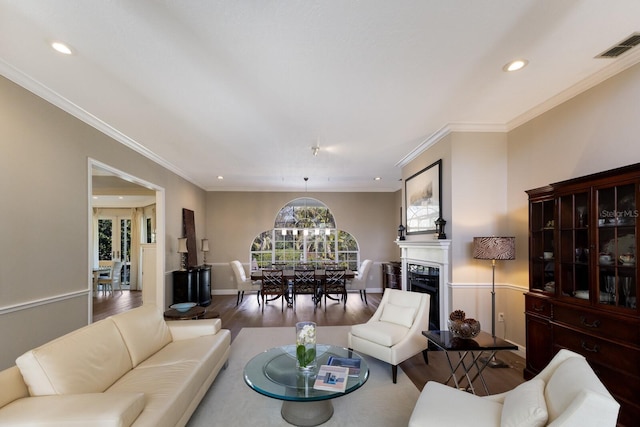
(566, 393)
(133, 368)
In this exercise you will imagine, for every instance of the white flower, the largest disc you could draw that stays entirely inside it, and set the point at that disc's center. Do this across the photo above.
(307, 335)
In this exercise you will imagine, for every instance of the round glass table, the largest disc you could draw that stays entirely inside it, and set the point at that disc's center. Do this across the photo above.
(273, 373)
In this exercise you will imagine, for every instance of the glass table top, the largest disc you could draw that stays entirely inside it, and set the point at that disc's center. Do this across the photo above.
(274, 374)
(445, 340)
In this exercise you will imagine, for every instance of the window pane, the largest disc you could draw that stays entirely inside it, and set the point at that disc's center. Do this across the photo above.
(310, 236)
(105, 249)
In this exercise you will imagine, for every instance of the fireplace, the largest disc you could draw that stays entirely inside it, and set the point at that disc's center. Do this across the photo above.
(421, 278)
(425, 268)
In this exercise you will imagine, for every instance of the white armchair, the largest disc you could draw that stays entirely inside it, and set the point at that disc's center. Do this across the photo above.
(394, 332)
(360, 281)
(243, 282)
(567, 393)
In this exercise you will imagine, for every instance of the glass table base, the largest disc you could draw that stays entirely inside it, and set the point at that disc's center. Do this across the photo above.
(307, 413)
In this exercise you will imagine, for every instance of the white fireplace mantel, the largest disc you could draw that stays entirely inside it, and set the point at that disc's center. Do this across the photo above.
(430, 253)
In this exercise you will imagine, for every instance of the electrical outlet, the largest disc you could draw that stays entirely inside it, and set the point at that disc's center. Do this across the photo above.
(500, 317)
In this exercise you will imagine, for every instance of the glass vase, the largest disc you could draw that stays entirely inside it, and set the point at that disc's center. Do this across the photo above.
(306, 346)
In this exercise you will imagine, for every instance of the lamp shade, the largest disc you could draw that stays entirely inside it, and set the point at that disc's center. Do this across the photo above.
(494, 248)
(182, 245)
(205, 245)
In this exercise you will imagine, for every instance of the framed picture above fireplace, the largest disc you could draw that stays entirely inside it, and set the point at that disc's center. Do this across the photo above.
(423, 199)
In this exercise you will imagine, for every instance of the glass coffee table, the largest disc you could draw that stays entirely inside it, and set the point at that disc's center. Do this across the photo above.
(273, 373)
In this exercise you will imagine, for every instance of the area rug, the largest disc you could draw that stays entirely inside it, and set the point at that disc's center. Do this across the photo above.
(230, 402)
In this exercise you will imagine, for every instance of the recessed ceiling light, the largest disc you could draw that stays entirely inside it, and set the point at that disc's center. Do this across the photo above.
(516, 65)
(220, 177)
(377, 178)
(62, 48)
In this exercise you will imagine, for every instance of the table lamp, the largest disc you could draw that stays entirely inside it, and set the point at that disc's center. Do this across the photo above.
(494, 248)
(205, 249)
(182, 250)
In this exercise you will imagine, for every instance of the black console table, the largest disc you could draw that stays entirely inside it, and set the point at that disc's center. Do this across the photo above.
(474, 348)
(192, 285)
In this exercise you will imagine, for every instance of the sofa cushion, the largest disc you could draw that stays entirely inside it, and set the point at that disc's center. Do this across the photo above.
(397, 314)
(441, 405)
(524, 406)
(144, 331)
(12, 386)
(406, 299)
(91, 409)
(172, 377)
(87, 360)
(184, 329)
(571, 378)
(383, 333)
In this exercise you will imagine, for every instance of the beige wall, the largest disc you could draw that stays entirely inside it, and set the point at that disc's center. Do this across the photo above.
(234, 219)
(44, 260)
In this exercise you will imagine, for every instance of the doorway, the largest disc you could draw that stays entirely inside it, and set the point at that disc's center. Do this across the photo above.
(126, 215)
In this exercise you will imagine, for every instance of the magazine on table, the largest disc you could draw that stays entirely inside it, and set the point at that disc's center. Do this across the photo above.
(348, 362)
(332, 378)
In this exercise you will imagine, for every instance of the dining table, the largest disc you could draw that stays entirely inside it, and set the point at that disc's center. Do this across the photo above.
(288, 275)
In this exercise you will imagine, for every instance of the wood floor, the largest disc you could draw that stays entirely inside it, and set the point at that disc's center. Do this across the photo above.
(249, 314)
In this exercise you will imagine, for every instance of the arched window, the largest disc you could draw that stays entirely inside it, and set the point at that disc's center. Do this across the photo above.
(304, 231)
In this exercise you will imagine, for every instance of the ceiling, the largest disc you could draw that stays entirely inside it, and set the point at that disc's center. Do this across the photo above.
(245, 89)
(109, 191)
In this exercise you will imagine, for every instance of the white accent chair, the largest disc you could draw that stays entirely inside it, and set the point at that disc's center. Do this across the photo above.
(567, 393)
(113, 279)
(360, 281)
(243, 282)
(394, 332)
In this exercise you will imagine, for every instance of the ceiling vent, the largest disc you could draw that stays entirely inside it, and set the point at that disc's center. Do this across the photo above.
(617, 50)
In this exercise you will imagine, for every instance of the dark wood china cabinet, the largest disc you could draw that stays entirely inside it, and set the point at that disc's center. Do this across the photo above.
(583, 279)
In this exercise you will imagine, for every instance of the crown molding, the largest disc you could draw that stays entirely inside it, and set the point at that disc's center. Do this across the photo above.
(446, 130)
(621, 64)
(39, 89)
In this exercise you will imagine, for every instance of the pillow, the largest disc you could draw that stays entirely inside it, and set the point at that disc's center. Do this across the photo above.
(524, 406)
(397, 314)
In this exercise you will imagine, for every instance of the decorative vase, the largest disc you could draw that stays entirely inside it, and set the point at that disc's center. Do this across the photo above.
(306, 346)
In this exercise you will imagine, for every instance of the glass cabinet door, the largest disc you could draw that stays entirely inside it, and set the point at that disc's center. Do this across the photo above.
(573, 247)
(542, 221)
(616, 242)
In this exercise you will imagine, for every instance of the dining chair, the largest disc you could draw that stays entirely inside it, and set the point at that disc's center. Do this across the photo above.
(278, 265)
(244, 283)
(113, 279)
(305, 282)
(360, 281)
(273, 284)
(335, 282)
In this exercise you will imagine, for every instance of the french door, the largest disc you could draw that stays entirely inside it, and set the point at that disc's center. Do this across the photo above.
(114, 241)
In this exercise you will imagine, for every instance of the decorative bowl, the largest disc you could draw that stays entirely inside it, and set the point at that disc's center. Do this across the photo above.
(628, 259)
(183, 306)
(467, 328)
